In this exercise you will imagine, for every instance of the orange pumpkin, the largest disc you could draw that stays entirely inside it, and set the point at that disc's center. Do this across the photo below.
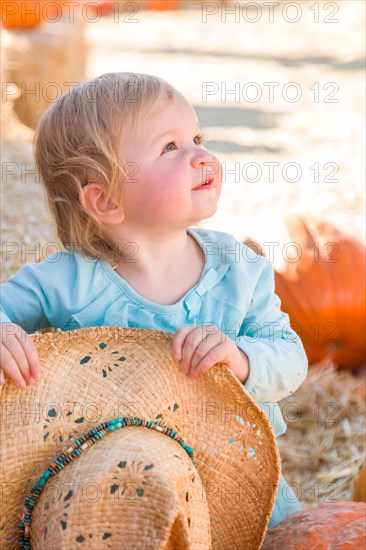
(324, 292)
(99, 7)
(161, 4)
(27, 14)
(359, 490)
(20, 14)
(331, 526)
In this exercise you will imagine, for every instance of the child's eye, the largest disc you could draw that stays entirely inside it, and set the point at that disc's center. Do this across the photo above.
(198, 140)
(170, 147)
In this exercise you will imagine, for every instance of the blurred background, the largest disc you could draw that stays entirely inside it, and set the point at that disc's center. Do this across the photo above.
(279, 90)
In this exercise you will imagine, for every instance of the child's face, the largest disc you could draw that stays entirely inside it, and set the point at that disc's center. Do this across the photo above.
(169, 162)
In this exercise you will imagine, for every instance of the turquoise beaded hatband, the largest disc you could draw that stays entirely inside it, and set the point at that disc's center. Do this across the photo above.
(73, 452)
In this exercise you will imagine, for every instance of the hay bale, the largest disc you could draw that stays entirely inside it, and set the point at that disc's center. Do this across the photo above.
(25, 224)
(324, 446)
(43, 63)
(13, 131)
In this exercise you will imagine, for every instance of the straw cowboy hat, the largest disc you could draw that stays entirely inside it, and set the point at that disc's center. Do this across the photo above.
(89, 446)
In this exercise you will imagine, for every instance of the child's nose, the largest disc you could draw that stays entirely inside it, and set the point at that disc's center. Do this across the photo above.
(201, 157)
(207, 162)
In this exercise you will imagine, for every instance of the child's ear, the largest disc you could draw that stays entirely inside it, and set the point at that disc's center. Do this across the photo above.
(93, 199)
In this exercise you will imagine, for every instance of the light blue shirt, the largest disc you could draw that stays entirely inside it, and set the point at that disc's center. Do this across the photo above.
(235, 294)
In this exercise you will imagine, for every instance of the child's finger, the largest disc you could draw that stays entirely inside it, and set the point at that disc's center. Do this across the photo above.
(206, 340)
(192, 341)
(10, 366)
(217, 354)
(2, 377)
(16, 348)
(31, 353)
(178, 341)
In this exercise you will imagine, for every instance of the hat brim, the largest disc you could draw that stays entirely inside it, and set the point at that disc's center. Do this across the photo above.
(93, 375)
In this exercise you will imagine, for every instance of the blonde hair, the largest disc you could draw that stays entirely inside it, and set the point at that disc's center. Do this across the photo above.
(78, 141)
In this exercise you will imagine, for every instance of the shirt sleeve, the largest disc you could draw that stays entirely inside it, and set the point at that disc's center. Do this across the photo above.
(23, 300)
(43, 294)
(277, 359)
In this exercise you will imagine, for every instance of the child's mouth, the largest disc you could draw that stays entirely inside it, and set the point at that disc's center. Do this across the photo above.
(208, 184)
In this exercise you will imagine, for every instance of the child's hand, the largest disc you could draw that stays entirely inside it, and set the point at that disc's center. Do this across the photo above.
(18, 356)
(200, 348)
